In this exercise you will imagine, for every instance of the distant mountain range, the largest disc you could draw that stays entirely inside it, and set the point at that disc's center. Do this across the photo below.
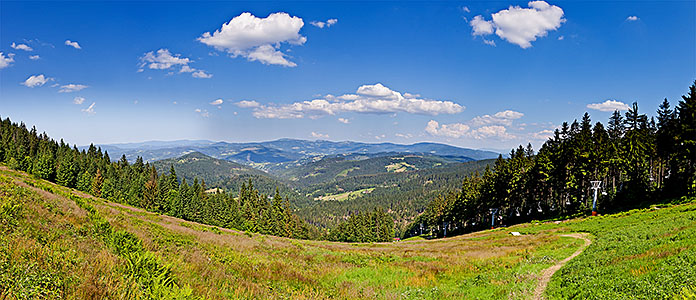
(264, 155)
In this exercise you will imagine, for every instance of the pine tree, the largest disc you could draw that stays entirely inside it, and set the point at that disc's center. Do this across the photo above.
(97, 183)
(67, 173)
(687, 139)
(84, 181)
(44, 167)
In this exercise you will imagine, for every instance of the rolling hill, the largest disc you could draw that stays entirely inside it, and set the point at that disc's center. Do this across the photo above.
(336, 167)
(59, 243)
(227, 175)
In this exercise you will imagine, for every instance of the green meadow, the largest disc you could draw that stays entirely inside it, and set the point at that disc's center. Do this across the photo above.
(56, 243)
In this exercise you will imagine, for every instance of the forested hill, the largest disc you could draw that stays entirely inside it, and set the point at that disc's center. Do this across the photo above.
(403, 195)
(204, 167)
(342, 166)
(228, 176)
(635, 158)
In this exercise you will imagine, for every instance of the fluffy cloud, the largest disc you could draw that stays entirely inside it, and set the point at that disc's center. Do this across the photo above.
(90, 110)
(72, 44)
(321, 24)
(217, 102)
(78, 100)
(24, 47)
(632, 18)
(165, 60)
(317, 135)
(257, 39)
(374, 99)
(69, 88)
(5, 61)
(201, 74)
(479, 127)
(36, 80)
(247, 104)
(609, 105)
(491, 131)
(480, 26)
(455, 130)
(34, 57)
(344, 120)
(504, 118)
(458, 130)
(521, 26)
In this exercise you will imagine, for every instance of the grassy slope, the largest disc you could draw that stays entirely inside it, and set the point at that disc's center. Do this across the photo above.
(48, 245)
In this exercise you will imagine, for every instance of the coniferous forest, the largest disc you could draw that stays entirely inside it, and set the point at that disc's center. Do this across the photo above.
(636, 158)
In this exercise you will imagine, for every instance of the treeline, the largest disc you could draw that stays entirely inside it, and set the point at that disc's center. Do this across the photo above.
(364, 227)
(636, 158)
(138, 184)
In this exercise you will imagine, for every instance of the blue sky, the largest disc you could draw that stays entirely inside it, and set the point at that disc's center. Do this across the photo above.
(476, 74)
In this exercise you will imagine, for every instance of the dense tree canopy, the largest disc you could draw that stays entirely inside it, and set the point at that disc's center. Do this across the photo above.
(637, 159)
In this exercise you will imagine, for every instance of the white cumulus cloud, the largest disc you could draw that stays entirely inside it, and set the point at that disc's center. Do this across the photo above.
(69, 88)
(609, 105)
(632, 18)
(455, 130)
(257, 39)
(217, 102)
(24, 47)
(480, 26)
(34, 57)
(162, 59)
(72, 44)
(344, 120)
(521, 26)
(79, 100)
(36, 80)
(90, 110)
(458, 130)
(504, 118)
(201, 74)
(374, 99)
(5, 61)
(480, 127)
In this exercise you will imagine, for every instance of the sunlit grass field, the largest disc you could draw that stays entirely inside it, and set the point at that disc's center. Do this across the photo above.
(54, 243)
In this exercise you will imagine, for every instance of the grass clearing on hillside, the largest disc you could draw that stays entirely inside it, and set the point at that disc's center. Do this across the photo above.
(345, 196)
(398, 167)
(47, 246)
